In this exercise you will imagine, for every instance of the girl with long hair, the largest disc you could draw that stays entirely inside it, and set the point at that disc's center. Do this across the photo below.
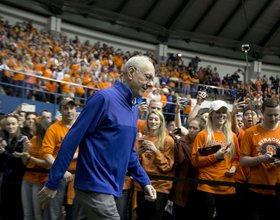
(218, 166)
(13, 141)
(183, 194)
(156, 155)
(33, 182)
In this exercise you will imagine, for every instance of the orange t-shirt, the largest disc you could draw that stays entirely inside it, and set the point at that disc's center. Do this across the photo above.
(188, 109)
(18, 76)
(163, 99)
(118, 60)
(51, 87)
(187, 79)
(53, 139)
(103, 85)
(64, 86)
(113, 75)
(257, 141)
(87, 80)
(209, 168)
(160, 163)
(38, 67)
(35, 177)
(47, 73)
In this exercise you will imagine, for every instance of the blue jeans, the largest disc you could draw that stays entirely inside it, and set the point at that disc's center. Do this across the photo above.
(28, 91)
(123, 204)
(32, 208)
(194, 91)
(53, 208)
(16, 89)
(186, 90)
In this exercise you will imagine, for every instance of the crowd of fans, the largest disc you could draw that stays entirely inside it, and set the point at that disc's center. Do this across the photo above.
(24, 49)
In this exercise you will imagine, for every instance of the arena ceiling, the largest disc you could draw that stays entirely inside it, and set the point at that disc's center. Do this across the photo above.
(218, 23)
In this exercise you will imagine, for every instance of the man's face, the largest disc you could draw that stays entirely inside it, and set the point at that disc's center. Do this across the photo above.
(30, 119)
(48, 115)
(171, 126)
(250, 119)
(240, 122)
(155, 106)
(271, 117)
(68, 112)
(140, 82)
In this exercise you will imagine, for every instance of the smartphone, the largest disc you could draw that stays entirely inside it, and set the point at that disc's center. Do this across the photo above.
(185, 102)
(28, 108)
(144, 100)
(240, 95)
(228, 146)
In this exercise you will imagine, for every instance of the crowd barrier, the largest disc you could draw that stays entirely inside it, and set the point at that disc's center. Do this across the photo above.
(275, 187)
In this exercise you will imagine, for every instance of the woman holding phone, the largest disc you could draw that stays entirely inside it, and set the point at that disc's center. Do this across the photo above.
(218, 166)
(13, 141)
(156, 155)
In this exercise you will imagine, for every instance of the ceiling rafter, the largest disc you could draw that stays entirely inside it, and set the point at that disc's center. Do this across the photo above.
(186, 4)
(121, 6)
(230, 17)
(256, 19)
(150, 10)
(206, 12)
(270, 35)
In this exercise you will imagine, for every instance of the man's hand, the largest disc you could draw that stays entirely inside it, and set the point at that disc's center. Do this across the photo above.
(237, 106)
(267, 158)
(68, 177)
(46, 195)
(150, 193)
(142, 107)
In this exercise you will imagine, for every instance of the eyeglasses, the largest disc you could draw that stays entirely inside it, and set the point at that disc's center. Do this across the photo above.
(149, 78)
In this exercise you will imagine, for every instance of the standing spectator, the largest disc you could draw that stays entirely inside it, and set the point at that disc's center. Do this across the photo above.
(18, 79)
(29, 80)
(183, 195)
(258, 145)
(27, 130)
(33, 182)
(194, 88)
(156, 155)
(13, 167)
(50, 147)
(101, 178)
(219, 166)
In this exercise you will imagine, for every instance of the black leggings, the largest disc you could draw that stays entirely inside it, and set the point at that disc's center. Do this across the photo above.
(151, 210)
(207, 202)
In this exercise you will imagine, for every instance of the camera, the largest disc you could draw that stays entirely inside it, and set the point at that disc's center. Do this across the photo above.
(203, 92)
(185, 102)
(245, 47)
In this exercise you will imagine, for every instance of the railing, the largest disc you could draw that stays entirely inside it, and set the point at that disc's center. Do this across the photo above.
(86, 88)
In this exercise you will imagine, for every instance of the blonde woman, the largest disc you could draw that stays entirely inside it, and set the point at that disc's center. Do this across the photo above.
(156, 155)
(219, 166)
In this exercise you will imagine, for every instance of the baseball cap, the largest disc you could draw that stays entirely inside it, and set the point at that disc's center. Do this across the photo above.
(216, 105)
(65, 101)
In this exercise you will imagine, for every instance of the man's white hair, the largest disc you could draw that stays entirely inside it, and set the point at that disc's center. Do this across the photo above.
(136, 61)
